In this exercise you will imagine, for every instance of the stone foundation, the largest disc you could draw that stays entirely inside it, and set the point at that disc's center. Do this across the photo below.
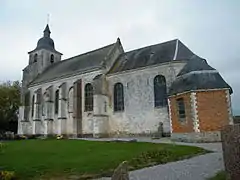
(148, 135)
(214, 136)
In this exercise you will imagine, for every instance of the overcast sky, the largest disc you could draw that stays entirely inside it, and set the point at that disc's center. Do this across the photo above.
(210, 28)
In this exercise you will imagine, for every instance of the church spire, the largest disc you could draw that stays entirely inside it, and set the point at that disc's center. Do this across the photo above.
(46, 32)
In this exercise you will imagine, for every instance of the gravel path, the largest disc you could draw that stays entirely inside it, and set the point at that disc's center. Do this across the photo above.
(196, 168)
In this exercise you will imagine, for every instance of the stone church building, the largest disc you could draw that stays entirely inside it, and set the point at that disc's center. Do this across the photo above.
(110, 92)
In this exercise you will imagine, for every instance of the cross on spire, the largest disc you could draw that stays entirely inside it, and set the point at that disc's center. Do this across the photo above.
(48, 18)
(47, 32)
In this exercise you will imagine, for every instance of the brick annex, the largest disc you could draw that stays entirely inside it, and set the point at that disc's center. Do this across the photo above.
(108, 92)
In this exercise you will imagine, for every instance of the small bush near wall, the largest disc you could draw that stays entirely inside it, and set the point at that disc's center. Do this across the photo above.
(5, 137)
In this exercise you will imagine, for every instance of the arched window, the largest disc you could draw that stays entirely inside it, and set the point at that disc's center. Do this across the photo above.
(44, 104)
(70, 100)
(27, 104)
(118, 97)
(88, 97)
(27, 99)
(35, 58)
(33, 102)
(52, 58)
(56, 101)
(160, 91)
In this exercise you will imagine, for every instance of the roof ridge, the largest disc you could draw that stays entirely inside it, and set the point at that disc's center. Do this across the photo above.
(176, 50)
(153, 45)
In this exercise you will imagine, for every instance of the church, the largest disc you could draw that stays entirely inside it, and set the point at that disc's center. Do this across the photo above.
(162, 89)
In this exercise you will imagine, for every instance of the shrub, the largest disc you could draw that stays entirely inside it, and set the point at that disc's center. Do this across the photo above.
(6, 135)
(19, 137)
(32, 137)
(59, 137)
(7, 175)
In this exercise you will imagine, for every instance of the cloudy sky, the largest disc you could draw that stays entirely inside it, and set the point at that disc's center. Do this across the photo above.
(211, 29)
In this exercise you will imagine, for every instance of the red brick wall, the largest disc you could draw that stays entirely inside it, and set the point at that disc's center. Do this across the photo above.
(177, 126)
(212, 107)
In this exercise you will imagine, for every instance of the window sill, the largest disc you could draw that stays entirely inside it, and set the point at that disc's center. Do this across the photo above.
(24, 120)
(159, 107)
(182, 121)
(118, 112)
(88, 111)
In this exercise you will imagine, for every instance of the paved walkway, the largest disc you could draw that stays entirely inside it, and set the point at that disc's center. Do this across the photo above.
(196, 168)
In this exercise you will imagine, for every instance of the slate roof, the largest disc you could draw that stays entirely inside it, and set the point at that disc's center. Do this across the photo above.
(151, 55)
(187, 79)
(195, 64)
(197, 75)
(81, 63)
(46, 42)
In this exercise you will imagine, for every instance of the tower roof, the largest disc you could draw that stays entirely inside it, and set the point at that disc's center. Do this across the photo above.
(46, 32)
(46, 42)
(197, 74)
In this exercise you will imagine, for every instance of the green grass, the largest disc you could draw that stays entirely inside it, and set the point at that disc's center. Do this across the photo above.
(219, 176)
(34, 158)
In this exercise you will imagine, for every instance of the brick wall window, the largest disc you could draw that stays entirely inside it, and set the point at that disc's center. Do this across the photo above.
(181, 109)
(160, 91)
(118, 97)
(56, 101)
(88, 97)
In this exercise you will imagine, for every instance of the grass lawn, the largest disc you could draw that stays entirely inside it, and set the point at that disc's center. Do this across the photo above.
(31, 159)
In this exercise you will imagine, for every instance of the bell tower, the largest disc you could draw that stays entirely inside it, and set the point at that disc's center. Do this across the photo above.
(44, 55)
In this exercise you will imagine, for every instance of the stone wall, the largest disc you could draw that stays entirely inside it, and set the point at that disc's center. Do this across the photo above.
(139, 115)
(231, 150)
(214, 136)
(56, 124)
